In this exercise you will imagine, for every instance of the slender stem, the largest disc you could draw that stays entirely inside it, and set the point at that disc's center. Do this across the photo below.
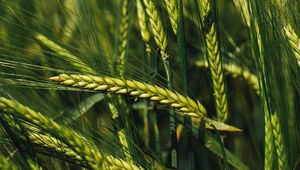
(172, 122)
(183, 76)
(182, 47)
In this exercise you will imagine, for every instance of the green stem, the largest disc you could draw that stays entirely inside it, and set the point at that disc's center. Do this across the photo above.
(172, 122)
(182, 47)
(184, 77)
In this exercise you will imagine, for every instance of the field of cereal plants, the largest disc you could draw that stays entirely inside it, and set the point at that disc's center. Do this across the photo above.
(150, 84)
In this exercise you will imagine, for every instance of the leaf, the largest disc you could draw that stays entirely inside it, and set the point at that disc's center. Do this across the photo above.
(214, 146)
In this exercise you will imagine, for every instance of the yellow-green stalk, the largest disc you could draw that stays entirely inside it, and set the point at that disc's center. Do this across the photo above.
(160, 38)
(146, 35)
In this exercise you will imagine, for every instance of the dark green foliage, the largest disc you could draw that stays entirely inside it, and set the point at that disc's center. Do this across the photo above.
(264, 40)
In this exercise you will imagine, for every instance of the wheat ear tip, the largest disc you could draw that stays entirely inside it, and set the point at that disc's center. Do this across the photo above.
(55, 78)
(60, 78)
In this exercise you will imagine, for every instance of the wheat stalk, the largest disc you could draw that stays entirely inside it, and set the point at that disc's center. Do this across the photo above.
(172, 9)
(242, 6)
(161, 41)
(279, 143)
(146, 35)
(287, 29)
(214, 58)
(278, 134)
(158, 31)
(273, 134)
(145, 32)
(143, 91)
(269, 147)
(69, 137)
(269, 141)
(294, 41)
(123, 41)
(54, 146)
(292, 36)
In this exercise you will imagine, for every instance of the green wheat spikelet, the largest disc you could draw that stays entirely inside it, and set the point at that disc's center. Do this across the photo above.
(269, 141)
(158, 31)
(72, 12)
(46, 142)
(279, 143)
(143, 91)
(54, 145)
(172, 9)
(294, 41)
(122, 50)
(6, 164)
(214, 58)
(242, 7)
(93, 157)
(161, 41)
(123, 40)
(288, 30)
(145, 32)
